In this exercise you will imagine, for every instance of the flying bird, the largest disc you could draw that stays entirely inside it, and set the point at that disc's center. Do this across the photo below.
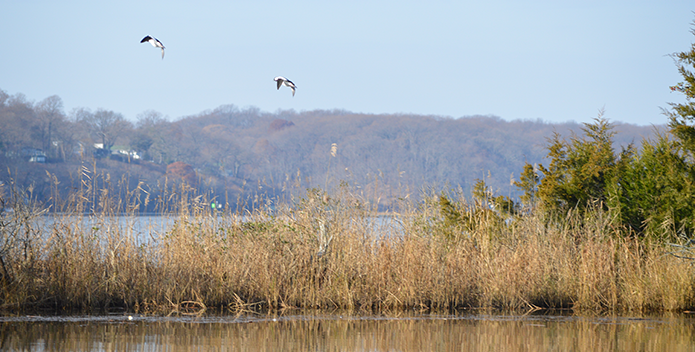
(286, 82)
(155, 43)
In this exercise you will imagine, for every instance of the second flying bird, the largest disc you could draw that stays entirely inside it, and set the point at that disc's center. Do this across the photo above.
(155, 43)
(282, 81)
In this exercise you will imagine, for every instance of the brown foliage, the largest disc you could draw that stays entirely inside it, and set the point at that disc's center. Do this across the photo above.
(183, 171)
(279, 124)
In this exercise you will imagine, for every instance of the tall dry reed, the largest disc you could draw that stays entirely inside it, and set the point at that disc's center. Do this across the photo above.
(325, 252)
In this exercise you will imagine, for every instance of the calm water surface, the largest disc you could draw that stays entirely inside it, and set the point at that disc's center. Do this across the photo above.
(146, 228)
(472, 332)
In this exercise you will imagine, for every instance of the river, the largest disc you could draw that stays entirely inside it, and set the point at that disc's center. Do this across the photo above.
(467, 331)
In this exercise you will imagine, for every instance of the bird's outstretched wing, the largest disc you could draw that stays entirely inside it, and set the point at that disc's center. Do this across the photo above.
(155, 43)
(284, 81)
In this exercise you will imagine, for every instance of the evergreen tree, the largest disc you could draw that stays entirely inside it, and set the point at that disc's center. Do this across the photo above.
(528, 183)
(581, 170)
(656, 195)
(682, 116)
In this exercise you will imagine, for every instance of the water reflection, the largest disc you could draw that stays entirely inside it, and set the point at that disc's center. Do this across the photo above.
(353, 333)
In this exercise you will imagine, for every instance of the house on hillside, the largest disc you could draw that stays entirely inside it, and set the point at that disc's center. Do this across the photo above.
(38, 159)
(34, 155)
(99, 151)
(120, 153)
(124, 154)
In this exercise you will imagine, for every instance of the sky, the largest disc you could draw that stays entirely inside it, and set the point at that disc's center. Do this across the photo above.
(557, 61)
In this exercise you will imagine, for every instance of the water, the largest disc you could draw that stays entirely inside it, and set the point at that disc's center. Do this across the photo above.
(145, 228)
(465, 332)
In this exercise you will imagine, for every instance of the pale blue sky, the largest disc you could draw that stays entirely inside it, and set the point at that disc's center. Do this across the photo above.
(552, 60)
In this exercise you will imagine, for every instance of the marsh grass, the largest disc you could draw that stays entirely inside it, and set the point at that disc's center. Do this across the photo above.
(325, 252)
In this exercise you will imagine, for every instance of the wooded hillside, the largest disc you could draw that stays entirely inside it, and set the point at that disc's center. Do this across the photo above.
(237, 152)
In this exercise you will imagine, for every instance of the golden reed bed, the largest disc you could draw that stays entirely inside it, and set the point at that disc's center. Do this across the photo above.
(331, 253)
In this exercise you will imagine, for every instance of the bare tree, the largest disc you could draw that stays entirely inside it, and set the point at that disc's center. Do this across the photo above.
(107, 126)
(150, 119)
(49, 118)
(151, 135)
(16, 116)
(3, 97)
